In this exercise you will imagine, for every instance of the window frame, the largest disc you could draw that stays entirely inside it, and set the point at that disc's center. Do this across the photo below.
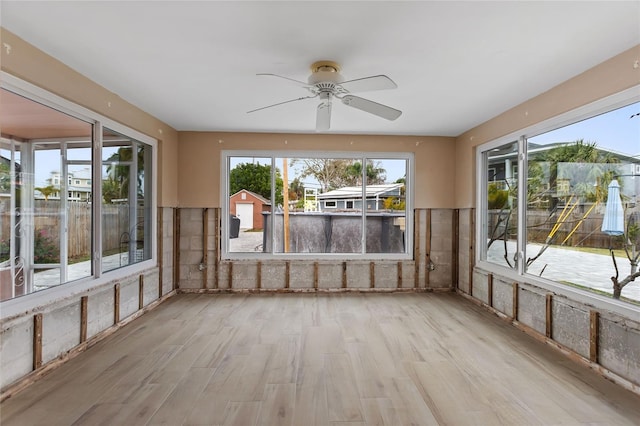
(290, 154)
(601, 106)
(11, 307)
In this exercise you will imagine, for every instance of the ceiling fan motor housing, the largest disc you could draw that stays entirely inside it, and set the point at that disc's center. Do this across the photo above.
(325, 75)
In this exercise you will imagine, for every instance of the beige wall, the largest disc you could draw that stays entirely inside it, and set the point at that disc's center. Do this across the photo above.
(34, 66)
(199, 160)
(615, 75)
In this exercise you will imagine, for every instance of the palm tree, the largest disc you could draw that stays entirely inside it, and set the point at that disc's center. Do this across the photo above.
(46, 191)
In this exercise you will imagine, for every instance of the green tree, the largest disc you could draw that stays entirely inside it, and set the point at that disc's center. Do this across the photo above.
(255, 178)
(111, 190)
(46, 191)
(374, 172)
(296, 189)
(582, 163)
(119, 171)
(334, 173)
(5, 178)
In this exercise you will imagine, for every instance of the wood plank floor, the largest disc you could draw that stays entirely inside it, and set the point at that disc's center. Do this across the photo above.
(321, 359)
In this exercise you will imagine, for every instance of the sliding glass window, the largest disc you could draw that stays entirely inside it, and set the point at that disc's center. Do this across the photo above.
(580, 200)
(48, 192)
(336, 204)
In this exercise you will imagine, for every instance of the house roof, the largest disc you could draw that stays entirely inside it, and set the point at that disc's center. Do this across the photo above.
(356, 191)
(253, 194)
(457, 64)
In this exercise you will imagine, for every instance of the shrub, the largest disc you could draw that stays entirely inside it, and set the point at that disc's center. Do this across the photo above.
(45, 249)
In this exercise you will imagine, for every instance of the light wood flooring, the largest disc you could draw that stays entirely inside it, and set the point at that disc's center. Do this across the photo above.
(321, 359)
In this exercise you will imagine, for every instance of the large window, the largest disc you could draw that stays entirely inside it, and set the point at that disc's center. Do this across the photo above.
(68, 185)
(574, 217)
(297, 204)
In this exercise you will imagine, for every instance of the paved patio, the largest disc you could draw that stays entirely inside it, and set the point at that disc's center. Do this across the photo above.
(566, 265)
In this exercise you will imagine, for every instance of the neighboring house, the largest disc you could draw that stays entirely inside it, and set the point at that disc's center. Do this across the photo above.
(78, 185)
(350, 197)
(503, 169)
(248, 207)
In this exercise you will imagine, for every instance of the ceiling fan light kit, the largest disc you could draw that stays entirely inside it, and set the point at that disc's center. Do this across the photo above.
(326, 83)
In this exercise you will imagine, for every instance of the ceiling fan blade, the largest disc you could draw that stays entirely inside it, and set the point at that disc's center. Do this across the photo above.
(281, 103)
(367, 84)
(300, 83)
(371, 107)
(323, 116)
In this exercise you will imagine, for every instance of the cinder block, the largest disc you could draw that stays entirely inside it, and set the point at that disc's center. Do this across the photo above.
(570, 326)
(60, 330)
(245, 275)
(503, 296)
(620, 347)
(532, 310)
(358, 275)
(273, 275)
(16, 346)
(301, 275)
(330, 275)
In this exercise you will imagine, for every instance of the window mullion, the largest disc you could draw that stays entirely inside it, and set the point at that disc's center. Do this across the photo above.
(96, 211)
(522, 204)
(363, 234)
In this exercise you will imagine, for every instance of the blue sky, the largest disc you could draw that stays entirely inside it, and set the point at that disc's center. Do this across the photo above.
(615, 130)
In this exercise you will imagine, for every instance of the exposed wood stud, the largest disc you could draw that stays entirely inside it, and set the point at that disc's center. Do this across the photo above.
(83, 318)
(287, 274)
(427, 249)
(455, 261)
(549, 319)
(372, 275)
(344, 274)
(490, 290)
(399, 274)
(514, 306)
(141, 291)
(472, 243)
(37, 341)
(594, 331)
(176, 249)
(205, 247)
(160, 250)
(315, 274)
(416, 249)
(230, 275)
(259, 275)
(217, 252)
(116, 303)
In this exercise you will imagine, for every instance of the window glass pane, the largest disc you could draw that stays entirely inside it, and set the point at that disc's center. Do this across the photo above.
(126, 201)
(250, 204)
(314, 216)
(501, 228)
(12, 277)
(43, 150)
(575, 174)
(385, 193)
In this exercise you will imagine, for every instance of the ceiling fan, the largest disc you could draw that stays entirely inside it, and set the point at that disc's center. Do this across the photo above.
(326, 83)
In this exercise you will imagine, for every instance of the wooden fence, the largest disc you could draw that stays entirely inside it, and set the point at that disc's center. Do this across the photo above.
(540, 223)
(115, 225)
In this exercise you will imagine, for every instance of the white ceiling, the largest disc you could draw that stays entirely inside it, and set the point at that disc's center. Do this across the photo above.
(456, 64)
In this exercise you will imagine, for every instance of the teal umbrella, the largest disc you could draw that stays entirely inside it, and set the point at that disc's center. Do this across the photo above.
(613, 222)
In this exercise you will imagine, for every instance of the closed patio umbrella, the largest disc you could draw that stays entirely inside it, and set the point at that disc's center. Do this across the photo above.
(613, 222)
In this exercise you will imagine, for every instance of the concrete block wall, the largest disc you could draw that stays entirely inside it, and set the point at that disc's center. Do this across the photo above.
(61, 320)
(201, 270)
(615, 347)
